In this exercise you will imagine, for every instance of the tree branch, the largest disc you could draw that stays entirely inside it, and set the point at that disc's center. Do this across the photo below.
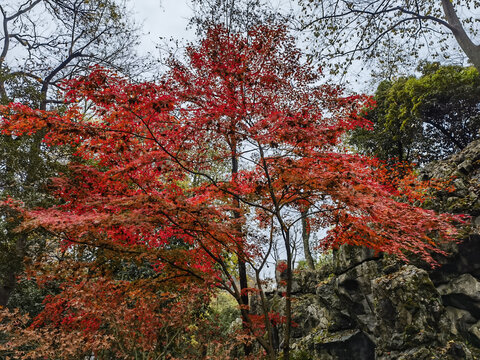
(471, 50)
(23, 11)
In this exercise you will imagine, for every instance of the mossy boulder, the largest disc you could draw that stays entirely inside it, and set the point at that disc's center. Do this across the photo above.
(408, 310)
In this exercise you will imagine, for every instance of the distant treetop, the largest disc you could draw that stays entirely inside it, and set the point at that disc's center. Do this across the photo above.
(423, 119)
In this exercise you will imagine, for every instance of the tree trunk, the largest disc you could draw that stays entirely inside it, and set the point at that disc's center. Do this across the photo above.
(242, 268)
(471, 50)
(8, 285)
(6, 289)
(288, 297)
(306, 241)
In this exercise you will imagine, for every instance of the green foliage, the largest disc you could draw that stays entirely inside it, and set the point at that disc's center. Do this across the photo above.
(423, 119)
(301, 355)
(28, 297)
(224, 309)
(302, 265)
(26, 165)
(322, 261)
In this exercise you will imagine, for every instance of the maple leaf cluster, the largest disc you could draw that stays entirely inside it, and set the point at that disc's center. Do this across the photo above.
(151, 182)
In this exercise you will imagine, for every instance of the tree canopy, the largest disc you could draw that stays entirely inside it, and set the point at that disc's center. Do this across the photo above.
(44, 42)
(423, 119)
(144, 188)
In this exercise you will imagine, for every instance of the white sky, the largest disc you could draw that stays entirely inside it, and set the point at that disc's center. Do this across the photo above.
(161, 19)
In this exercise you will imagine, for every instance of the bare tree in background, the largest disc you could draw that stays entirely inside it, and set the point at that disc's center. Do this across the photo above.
(391, 31)
(46, 41)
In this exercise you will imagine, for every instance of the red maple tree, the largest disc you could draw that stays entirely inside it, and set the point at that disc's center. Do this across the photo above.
(217, 162)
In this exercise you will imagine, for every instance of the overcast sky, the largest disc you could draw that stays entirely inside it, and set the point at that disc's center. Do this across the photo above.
(161, 18)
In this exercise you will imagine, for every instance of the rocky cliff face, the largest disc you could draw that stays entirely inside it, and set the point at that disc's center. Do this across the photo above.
(364, 306)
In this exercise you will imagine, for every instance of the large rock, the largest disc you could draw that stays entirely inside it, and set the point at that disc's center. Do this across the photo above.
(343, 345)
(463, 258)
(451, 351)
(464, 170)
(339, 318)
(465, 284)
(306, 281)
(354, 288)
(408, 310)
(459, 320)
(462, 292)
(474, 332)
(309, 314)
(375, 307)
(347, 257)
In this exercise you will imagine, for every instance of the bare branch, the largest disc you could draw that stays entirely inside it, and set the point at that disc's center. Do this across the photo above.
(23, 11)
(362, 25)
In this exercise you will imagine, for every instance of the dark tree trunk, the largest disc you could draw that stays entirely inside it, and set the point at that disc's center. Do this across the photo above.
(6, 289)
(242, 268)
(306, 241)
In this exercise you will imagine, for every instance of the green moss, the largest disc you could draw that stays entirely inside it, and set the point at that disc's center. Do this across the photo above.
(457, 204)
(411, 304)
(320, 338)
(301, 355)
